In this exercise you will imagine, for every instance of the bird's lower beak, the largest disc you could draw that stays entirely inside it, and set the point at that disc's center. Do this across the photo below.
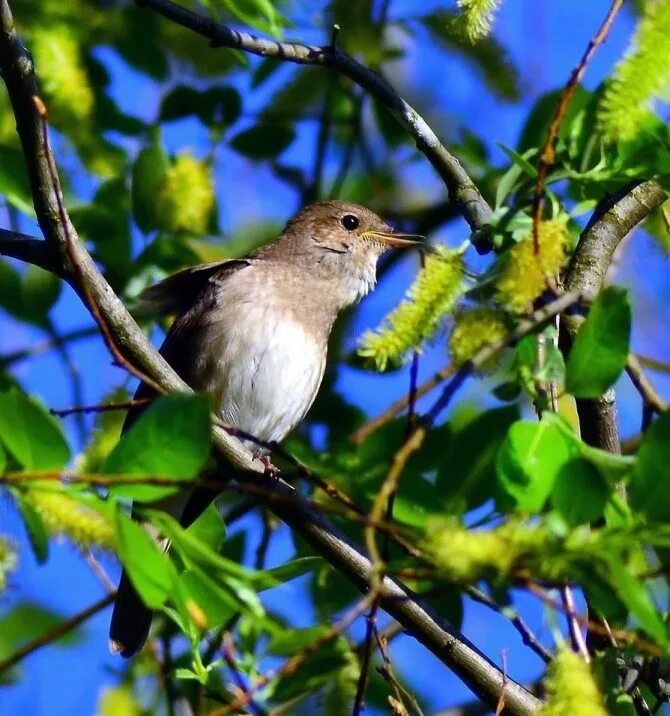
(396, 240)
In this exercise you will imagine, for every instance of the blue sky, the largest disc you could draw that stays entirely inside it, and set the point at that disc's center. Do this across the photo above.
(545, 40)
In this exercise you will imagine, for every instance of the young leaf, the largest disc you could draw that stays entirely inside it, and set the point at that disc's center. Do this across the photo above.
(579, 493)
(153, 575)
(30, 434)
(170, 440)
(530, 460)
(650, 481)
(149, 172)
(599, 352)
(263, 141)
(466, 476)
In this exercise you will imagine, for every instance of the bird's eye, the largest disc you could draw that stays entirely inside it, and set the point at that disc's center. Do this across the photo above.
(350, 222)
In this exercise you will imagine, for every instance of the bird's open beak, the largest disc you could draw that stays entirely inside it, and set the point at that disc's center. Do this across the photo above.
(395, 239)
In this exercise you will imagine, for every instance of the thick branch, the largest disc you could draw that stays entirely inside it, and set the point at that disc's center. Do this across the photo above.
(463, 193)
(29, 249)
(61, 239)
(613, 220)
(451, 647)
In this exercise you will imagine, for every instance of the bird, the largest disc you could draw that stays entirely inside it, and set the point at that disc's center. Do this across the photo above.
(252, 333)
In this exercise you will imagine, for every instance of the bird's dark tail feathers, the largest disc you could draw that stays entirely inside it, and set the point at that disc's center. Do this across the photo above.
(131, 620)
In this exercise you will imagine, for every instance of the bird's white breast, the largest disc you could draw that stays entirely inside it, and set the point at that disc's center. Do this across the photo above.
(264, 370)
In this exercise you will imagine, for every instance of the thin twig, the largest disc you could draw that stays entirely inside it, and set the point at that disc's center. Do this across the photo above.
(56, 633)
(100, 408)
(527, 635)
(643, 385)
(548, 152)
(291, 665)
(41, 347)
(87, 296)
(462, 190)
(368, 428)
(578, 641)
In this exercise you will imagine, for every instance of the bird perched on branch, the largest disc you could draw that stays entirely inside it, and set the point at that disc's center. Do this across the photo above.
(252, 333)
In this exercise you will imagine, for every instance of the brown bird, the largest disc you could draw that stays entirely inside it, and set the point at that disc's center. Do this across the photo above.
(253, 334)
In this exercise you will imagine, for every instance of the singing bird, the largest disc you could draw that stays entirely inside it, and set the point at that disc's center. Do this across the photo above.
(252, 333)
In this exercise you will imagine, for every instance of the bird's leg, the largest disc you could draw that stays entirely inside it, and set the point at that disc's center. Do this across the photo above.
(270, 469)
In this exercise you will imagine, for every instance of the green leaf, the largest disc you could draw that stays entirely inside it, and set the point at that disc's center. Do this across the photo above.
(153, 575)
(210, 528)
(579, 493)
(638, 600)
(235, 578)
(30, 434)
(34, 524)
(216, 105)
(529, 461)
(14, 184)
(149, 173)
(3, 460)
(28, 620)
(263, 141)
(171, 440)
(202, 602)
(599, 352)
(286, 572)
(650, 482)
(466, 477)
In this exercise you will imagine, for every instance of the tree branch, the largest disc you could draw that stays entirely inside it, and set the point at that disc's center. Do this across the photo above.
(31, 250)
(610, 223)
(463, 193)
(62, 241)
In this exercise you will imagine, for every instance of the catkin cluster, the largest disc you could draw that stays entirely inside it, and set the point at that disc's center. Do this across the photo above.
(473, 329)
(64, 516)
(186, 197)
(463, 555)
(63, 77)
(7, 561)
(524, 271)
(640, 76)
(477, 17)
(433, 294)
(571, 688)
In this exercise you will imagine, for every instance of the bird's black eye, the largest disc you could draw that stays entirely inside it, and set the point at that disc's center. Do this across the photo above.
(350, 222)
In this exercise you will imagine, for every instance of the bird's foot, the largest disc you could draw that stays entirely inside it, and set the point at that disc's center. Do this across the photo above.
(270, 469)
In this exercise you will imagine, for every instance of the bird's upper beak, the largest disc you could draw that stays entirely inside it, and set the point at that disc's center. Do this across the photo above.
(396, 239)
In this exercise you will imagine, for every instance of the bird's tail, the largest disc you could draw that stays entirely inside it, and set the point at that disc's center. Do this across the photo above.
(131, 620)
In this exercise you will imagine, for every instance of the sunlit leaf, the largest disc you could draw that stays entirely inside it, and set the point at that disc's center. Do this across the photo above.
(598, 354)
(170, 441)
(30, 434)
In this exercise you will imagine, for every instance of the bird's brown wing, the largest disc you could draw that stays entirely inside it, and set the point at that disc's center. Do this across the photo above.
(179, 292)
(186, 293)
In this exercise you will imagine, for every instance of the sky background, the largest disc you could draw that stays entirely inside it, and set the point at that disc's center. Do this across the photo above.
(545, 40)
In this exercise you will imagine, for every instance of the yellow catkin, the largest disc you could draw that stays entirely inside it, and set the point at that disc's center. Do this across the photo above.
(571, 688)
(473, 329)
(433, 295)
(66, 517)
(463, 555)
(186, 198)
(62, 76)
(523, 275)
(477, 17)
(118, 701)
(7, 561)
(639, 77)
